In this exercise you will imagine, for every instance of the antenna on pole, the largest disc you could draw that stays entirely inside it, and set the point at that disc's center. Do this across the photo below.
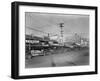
(61, 32)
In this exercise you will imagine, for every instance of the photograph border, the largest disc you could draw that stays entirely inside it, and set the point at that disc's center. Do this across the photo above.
(15, 39)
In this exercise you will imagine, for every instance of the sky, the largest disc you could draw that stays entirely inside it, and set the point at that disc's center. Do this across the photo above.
(49, 23)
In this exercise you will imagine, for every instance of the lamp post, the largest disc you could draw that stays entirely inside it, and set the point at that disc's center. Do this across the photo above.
(61, 32)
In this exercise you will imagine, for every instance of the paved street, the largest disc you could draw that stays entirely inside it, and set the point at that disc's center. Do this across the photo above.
(70, 58)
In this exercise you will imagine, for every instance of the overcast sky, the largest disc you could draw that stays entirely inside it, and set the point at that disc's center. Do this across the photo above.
(49, 23)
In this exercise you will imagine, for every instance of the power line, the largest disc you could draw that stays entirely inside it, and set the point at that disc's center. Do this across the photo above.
(40, 31)
(36, 30)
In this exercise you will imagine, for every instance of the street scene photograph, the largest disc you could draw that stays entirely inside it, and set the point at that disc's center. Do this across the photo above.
(56, 40)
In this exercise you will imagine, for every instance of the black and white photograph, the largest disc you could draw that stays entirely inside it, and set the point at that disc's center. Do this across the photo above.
(50, 40)
(54, 40)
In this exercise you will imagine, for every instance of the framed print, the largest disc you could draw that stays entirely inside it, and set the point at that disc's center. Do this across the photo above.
(50, 40)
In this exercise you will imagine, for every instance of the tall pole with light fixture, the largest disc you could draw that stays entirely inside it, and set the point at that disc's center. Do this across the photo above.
(61, 31)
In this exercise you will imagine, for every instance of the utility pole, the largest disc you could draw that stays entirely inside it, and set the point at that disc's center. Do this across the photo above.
(48, 35)
(61, 32)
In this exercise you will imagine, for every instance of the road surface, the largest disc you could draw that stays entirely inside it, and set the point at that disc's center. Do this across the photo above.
(70, 58)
